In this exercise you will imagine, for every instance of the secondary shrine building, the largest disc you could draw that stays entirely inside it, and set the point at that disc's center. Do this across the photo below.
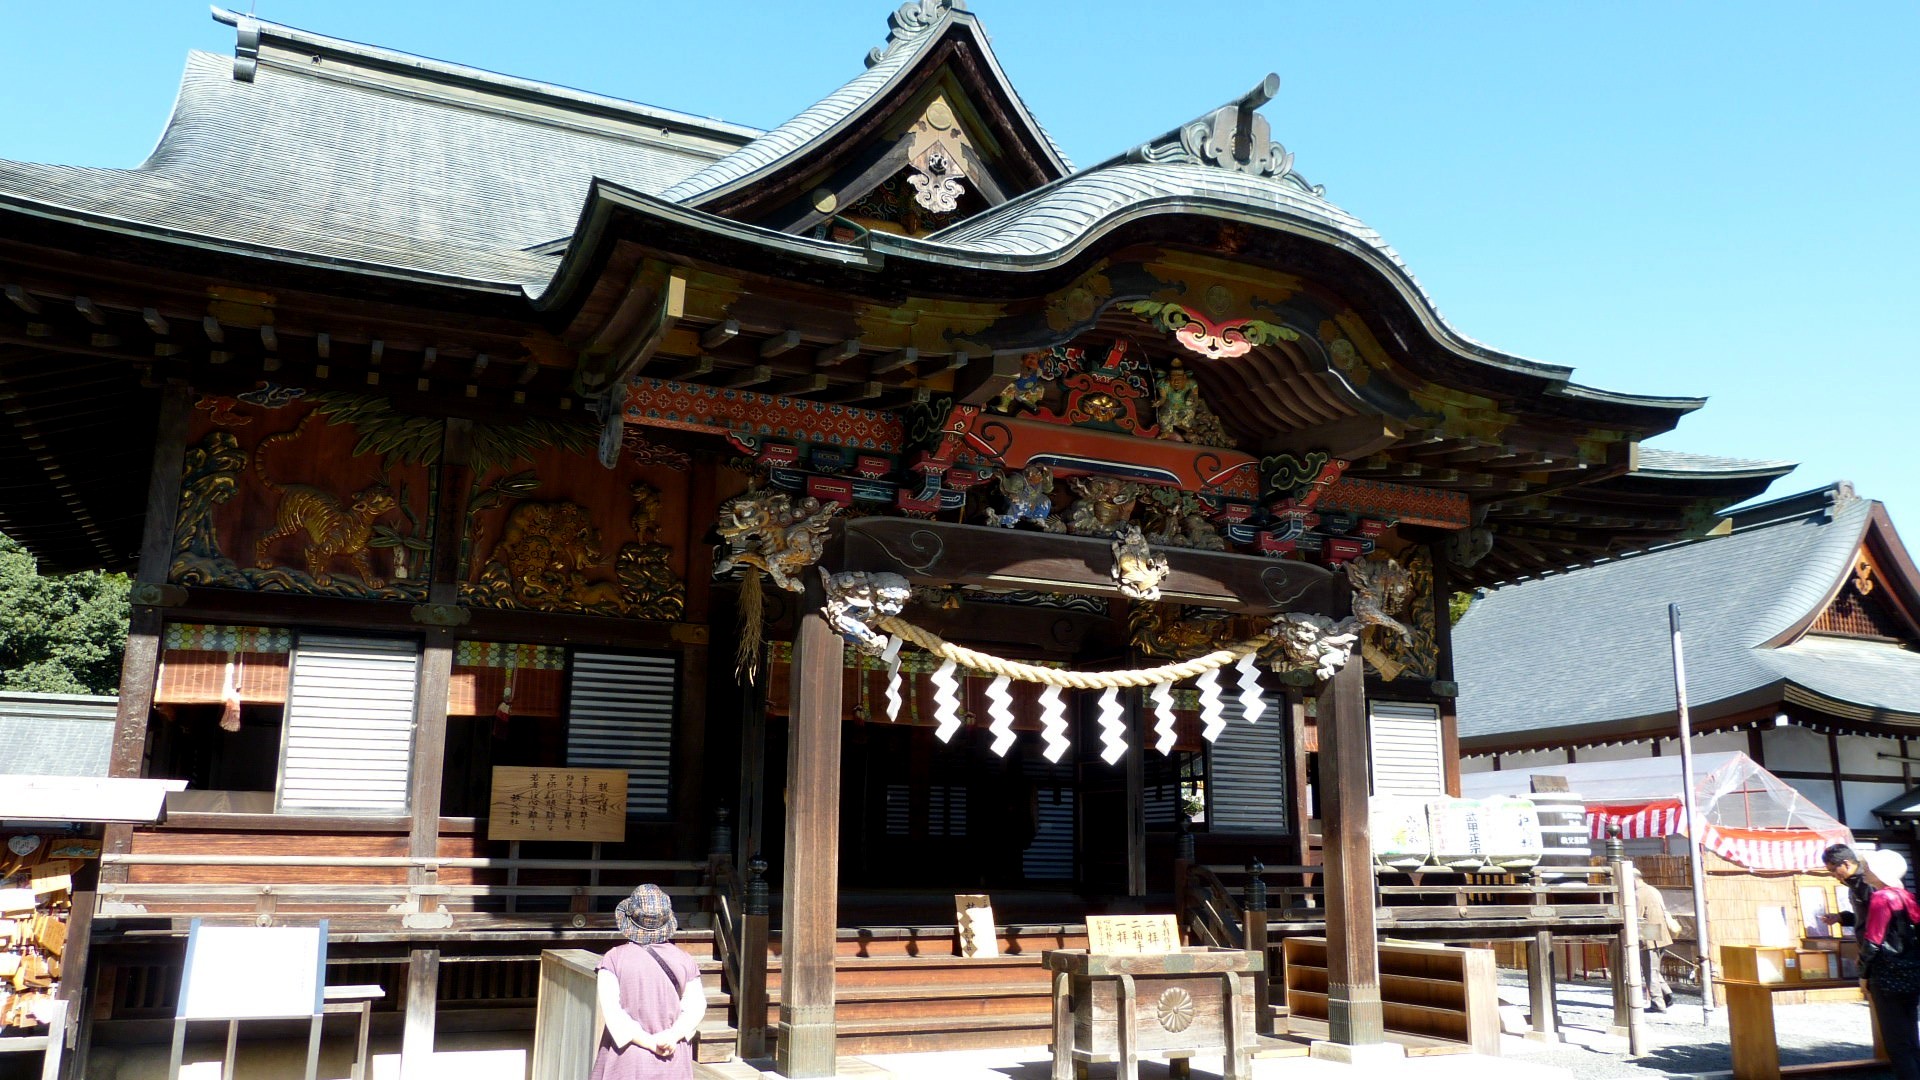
(880, 495)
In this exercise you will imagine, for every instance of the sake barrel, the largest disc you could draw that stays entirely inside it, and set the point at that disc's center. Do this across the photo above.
(1510, 830)
(1397, 826)
(1457, 840)
(1565, 846)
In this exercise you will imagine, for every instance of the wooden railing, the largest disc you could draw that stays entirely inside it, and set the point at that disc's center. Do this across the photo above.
(422, 902)
(566, 1024)
(1211, 898)
(740, 944)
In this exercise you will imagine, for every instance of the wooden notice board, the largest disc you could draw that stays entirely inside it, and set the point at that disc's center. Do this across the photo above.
(1141, 934)
(532, 803)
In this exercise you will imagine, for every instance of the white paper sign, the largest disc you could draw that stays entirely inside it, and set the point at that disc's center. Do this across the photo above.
(253, 972)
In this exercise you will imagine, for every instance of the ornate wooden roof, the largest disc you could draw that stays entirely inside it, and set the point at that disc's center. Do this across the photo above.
(556, 245)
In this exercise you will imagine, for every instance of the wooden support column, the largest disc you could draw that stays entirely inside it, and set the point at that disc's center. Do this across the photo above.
(1354, 1015)
(1540, 988)
(752, 817)
(429, 750)
(1297, 776)
(141, 665)
(809, 908)
(1136, 777)
(423, 997)
(139, 678)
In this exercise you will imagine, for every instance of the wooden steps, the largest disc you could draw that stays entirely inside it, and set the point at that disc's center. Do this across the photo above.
(902, 990)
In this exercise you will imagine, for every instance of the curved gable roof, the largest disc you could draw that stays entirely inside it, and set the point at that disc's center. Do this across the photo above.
(917, 28)
(1590, 650)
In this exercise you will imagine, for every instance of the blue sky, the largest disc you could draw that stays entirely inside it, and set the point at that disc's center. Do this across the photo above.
(1710, 198)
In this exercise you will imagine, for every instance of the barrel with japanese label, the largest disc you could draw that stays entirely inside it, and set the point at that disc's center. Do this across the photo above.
(1566, 848)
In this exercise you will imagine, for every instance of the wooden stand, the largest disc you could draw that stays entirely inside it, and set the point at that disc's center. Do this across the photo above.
(1177, 1005)
(1756, 1049)
(1436, 999)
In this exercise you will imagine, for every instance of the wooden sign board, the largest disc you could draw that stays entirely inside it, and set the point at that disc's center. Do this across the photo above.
(973, 919)
(253, 972)
(536, 803)
(1132, 934)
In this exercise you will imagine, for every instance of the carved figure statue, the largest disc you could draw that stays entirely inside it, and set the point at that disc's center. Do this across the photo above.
(334, 527)
(649, 587)
(1314, 641)
(543, 548)
(855, 597)
(1176, 403)
(1137, 568)
(1180, 520)
(768, 530)
(1029, 495)
(1182, 414)
(1105, 505)
(1026, 389)
(1382, 589)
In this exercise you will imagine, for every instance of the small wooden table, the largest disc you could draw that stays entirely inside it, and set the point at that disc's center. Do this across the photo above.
(1756, 1048)
(351, 999)
(1178, 1005)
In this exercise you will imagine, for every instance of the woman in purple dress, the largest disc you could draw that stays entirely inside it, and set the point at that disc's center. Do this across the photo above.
(651, 998)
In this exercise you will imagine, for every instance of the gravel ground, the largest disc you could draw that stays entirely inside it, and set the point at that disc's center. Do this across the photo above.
(1676, 1043)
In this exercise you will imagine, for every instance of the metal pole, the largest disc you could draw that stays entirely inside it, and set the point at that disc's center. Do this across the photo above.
(1696, 849)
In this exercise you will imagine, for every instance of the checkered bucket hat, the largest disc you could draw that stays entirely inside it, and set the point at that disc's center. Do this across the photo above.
(646, 917)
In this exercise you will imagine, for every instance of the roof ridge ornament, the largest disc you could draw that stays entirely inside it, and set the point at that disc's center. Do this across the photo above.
(1234, 137)
(914, 18)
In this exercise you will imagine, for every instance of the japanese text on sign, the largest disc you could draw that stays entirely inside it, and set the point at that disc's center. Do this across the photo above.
(1132, 934)
(557, 804)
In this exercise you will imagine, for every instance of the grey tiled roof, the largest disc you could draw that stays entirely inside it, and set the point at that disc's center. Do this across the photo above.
(1592, 646)
(1654, 461)
(397, 171)
(819, 122)
(55, 734)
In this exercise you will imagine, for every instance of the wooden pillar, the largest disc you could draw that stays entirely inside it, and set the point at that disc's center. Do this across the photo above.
(423, 997)
(1354, 1015)
(141, 665)
(139, 676)
(1540, 988)
(1297, 777)
(752, 817)
(810, 905)
(1136, 779)
(429, 749)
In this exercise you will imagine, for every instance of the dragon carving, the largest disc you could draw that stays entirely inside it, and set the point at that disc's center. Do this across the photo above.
(857, 597)
(769, 531)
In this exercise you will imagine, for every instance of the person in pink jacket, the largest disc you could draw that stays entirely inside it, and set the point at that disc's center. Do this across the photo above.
(1890, 957)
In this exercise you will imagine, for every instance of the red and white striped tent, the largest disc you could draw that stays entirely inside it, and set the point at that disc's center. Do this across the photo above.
(1748, 815)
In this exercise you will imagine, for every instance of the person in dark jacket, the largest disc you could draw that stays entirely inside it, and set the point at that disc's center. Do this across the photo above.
(1888, 957)
(1845, 866)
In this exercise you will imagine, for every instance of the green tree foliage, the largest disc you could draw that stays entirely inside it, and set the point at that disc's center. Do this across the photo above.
(59, 635)
(1457, 606)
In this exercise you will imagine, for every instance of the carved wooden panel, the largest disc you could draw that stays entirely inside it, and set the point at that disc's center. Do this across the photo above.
(320, 493)
(549, 529)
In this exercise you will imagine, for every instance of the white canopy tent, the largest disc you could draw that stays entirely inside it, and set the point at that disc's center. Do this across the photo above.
(1751, 816)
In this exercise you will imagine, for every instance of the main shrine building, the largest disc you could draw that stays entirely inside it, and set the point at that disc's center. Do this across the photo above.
(894, 509)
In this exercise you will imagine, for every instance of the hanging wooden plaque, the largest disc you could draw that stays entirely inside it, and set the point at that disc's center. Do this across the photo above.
(533, 803)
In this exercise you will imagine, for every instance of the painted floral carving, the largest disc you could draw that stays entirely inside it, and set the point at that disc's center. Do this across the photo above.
(1215, 340)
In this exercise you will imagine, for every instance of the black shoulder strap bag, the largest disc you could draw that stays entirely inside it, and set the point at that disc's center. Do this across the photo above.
(671, 977)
